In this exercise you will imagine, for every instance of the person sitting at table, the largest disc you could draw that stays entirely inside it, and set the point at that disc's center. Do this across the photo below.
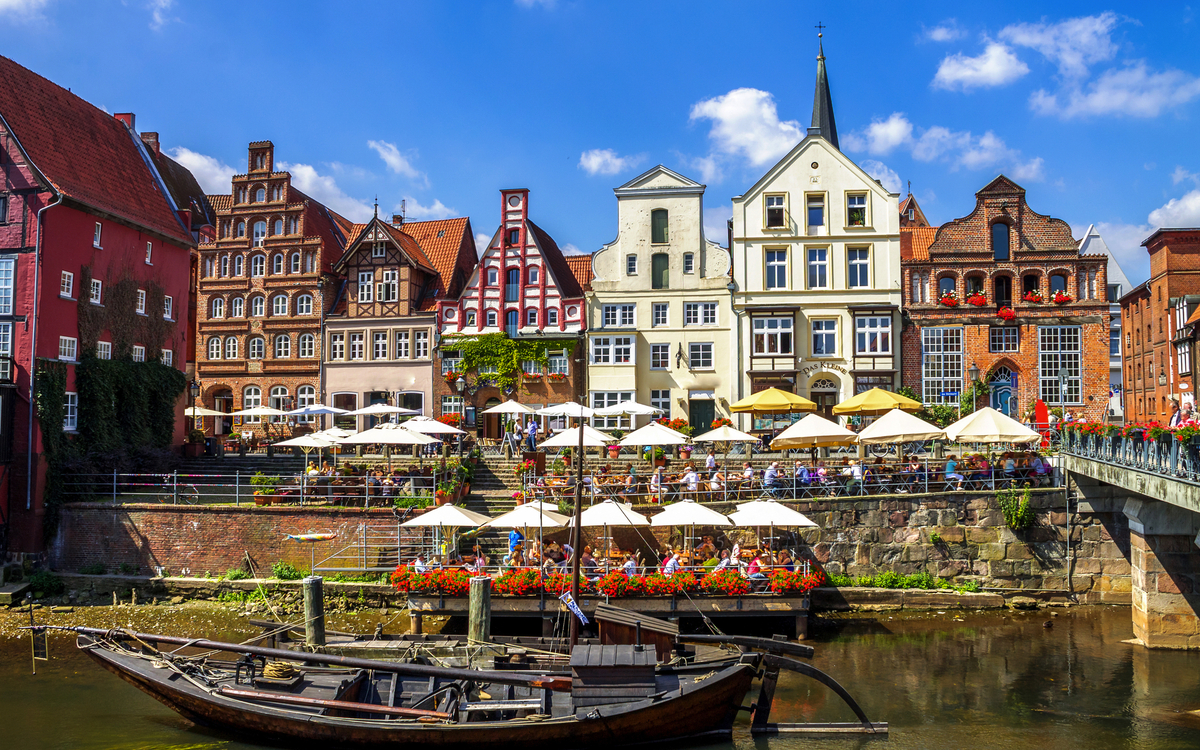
(854, 470)
(716, 483)
(747, 471)
(1041, 470)
(1010, 466)
(914, 475)
(801, 478)
(755, 571)
(419, 564)
(723, 563)
(710, 462)
(514, 558)
(629, 567)
(515, 538)
(771, 482)
(657, 482)
(785, 561)
(952, 474)
(691, 480)
(671, 566)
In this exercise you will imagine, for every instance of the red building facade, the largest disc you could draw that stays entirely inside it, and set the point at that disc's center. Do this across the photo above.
(88, 228)
(980, 292)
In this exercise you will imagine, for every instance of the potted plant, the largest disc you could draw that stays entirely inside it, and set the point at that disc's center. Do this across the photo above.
(1033, 297)
(657, 455)
(614, 451)
(264, 488)
(949, 299)
(720, 422)
(1061, 298)
(976, 299)
(1006, 314)
(195, 444)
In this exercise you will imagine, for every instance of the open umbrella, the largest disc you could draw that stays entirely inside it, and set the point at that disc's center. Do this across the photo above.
(607, 514)
(430, 426)
(260, 411)
(527, 516)
(769, 513)
(508, 407)
(876, 401)
(773, 401)
(814, 431)
(388, 433)
(569, 409)
(724, 435)
(305, 411)
(375, 410)
(334, 434)
(654, 434)
(451, 516)
(691, 514)
(569, 438)
(990, 426)
(898, 426)
(193, 412)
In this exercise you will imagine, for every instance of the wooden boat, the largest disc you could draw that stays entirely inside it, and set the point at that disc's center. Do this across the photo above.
(613, 696)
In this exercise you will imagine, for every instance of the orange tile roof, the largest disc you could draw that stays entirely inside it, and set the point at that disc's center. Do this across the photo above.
(1195, 316)
(581, 269)
(440, 239)
(915, 242)
(220, 203)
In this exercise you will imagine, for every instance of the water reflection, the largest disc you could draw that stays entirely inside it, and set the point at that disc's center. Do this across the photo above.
(990, 680)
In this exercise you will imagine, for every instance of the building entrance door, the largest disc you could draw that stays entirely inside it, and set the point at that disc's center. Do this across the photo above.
(492, 426)
(701, 413)
(1001, 387)
(824, 393)
(223, 402)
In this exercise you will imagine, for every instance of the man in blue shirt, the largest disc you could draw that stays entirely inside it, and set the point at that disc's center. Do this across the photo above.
(771, 479)
(514, 538)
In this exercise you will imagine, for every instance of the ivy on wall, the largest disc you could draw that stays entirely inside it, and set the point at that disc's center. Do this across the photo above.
(50, 388)
(498, 352)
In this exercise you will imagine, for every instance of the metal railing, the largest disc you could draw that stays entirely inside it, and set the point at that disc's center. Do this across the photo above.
(380, 547)
(1169, 458)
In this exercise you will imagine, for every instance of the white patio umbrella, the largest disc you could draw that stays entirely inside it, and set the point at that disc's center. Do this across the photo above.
(193, 412)
(990, 426)
(305, 411)
(334, 434)
(569, 409)
(508, 407)
(430, 426)
(654, 434)
(305, 443)
(569, 438)
(375, 410)
(899, 426)
(388, 433)
(549, 509)
(451, 516)
(608, 514)
(769, 513)
(724, 435)
(527, 516)
(260, 411)
(813, 431)
(691, 514)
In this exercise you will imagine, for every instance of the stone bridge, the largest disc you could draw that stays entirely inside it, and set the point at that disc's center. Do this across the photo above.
(1156, 485)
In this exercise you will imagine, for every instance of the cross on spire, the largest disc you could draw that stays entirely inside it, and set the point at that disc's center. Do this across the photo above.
(820, 27)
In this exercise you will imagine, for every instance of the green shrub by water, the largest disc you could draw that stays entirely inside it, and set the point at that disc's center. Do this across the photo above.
(890, 580)
(236, 574)
(45, 583)
(286, 571)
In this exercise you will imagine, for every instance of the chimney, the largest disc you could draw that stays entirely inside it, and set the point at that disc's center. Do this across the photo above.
(151, 140)
(126, 117)
(397, 220)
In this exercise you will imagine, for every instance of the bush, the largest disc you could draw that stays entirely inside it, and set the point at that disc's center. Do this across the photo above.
(286, 571)
(236, 574)
(1018, 513)
(45, 583)
(888, 580)
(93, 570)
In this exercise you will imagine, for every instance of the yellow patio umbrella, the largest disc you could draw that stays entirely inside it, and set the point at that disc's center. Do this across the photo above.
(876, 401)
(773, 401)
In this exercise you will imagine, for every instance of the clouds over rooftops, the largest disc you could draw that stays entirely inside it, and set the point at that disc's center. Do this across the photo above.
(324, 188)
(606, 161)
(996, 66)
(215, 176)
(414, 209)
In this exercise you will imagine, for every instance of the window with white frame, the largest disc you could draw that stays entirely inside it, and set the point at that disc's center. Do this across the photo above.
(366, 286)
(452, 405)
(277, 227)
(96, 235)
(96, 295)
(777, 275)
(141, 302)
(493, 276)
(661, 399)
(689, 263)
(214, 348)
(601, 350)
(357, 346)
(104, 350)
(308, 345)
(258, 307)
(218, 308)
(920, 287)
(551, 316)
(401, 344)
(378, 250)
(859, 267)
(660, 356)
(6, 351)
(337, 346)
(631, 265)
(856, 209)
(295, 262)
(700, 313)
(388, 288)
(304, 304)
(533, 274)
(622, 350)
(7, 268)
(231, 347)
(824, 338)
(816, 212)
(279, 305)
(1184, 354)
(258, 266)
(251, 399)
(531, 317)
(531, 367)
(277, 264)
(306, 395)
(451, 361)
(139, 353)
(67, 348)
(873, 335)
(556, 362)
(379, 345)
(1003, 339)
(776, 206)
(491, 319)
(169, 307)
(66, 285)
(256, 348)
(772, 336)
(601, 399)
(71, 408)
(941, 364)
(700, 356)
(260, 236)
(167, 357)
(613, 316)
(421, 344)
(224, 266)
(818, 268)
(1060, 348)
(659, 314)
(239, 265)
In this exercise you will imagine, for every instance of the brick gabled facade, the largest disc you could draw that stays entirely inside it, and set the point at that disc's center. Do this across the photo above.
(1000, 251)
(261, 289)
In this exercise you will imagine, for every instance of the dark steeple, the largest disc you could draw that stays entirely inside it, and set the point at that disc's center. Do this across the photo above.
(822, 119)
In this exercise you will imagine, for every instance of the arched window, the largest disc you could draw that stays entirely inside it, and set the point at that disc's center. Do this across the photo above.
(218, 308)
(258, 265)
(279, 305)
(257, 307)
(492, 276)
(1002, 290)
(1000, 241)
(254, 348)
(295, 262)
(241, 229)
(251, 398)
(1030, 282)
(214, 347)
(208, 267)
(658, 225)
(239, 265)
(533, 274)
(304, 304)
(237, 307)
(260, 195)
(1058, 283)
(231, 347)
(308, 345)
(309, 262)
(277, 264)
(283, 346)
(279, 400)
(946, 284)
(292, 226)
(224, 265)
(974, 285)
(278, 227)
(511, 322)
(260, 232)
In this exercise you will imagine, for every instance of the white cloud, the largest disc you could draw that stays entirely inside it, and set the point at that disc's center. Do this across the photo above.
(1178, 212)
(881, 136)
(1134, 90)
(716, 218)
(481, 242)
(745, 123)
(416, 211)
(1072, 45)
(324, 188)
(606, 161)
(569, 249)
(1180, 174)
(1125, 242)
(883, 173)
(946, 31)
(997, 66)
(396, 162)
(708, 167)
(22, 10)
(159, 10)
(213, 174)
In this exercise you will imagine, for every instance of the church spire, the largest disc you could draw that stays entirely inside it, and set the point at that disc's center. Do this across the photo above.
(822, 118)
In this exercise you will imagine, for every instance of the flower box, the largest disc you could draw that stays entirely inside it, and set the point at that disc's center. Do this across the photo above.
(949, 299)
(1006, 313)
(1061, 299)
(1033, 298)
(976, 300)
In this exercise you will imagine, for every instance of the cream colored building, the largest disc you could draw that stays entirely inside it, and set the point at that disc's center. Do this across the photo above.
(659, 314)
(816, 265)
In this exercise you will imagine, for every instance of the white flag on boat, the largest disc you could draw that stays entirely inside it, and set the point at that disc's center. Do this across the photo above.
(569, 600)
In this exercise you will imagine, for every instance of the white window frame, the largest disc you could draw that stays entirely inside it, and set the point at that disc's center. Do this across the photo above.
(774, 266)
(357, 347)
(775, 201)
(867, 327)
(304, 304)
(402, 349)
(258, 306)
(379, 345)
(631, 264)
(866, 218)
(618, 316)
(71, 409)
(1060, 346)
(68, 348)
(258, 266)
(551, 316)
(689, 262)
(817, 327)
(103, 350)
(624, 350)
(141, 302)
(856, 268)
(306, 347)
(818, 266)
(231, 347)
(169, 307)
(660, 356)
(216, 347)
(149, 253)
(557, 362)
(6, 330)
(767, 336)
(167, 357)
(420, 344)
(139, 353)
(96, 293)
(96, 236)
(660, 398)
(387, 290)
(251, 398)
(600, 399)
(256, 348)
(366, 287)
(281, 346)
(337, 346)
(217, 308)
(942, 354)
(1003, 339)
(279, 306)
(660, 314)
(66, 286)
(601, 353)
(812, 200)
(696, 350)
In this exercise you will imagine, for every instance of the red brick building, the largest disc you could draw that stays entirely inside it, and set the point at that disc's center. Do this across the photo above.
(1005, 257)
(262, 287)
(88, 228)
(1155, 320)
(524, 288)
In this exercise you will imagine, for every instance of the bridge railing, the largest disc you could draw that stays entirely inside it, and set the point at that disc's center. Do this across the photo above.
(1168, 457)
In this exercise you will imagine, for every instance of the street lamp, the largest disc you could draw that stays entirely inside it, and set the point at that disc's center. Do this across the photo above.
(973, 373)
(194, 391)
(461, 384)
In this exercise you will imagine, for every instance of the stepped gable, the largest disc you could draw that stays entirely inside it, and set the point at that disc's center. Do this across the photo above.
(1003, 199)
(89, 156)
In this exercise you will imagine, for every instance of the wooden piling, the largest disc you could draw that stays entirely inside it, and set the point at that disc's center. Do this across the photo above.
(479, 612)
(314, 611)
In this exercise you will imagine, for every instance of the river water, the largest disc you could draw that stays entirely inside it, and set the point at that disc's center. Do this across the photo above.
(942, 680)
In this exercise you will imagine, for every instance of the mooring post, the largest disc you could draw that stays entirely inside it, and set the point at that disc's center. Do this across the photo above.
(479, 610)
(314, 611)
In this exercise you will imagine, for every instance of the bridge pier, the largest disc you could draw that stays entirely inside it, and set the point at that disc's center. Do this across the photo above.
(1164, 548)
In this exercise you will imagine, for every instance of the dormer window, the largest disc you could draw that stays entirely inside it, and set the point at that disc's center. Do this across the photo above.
(658, 226)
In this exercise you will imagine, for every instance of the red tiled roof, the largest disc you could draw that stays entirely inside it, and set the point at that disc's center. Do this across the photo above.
(568, 285)
(410, 245)
(440, 239)
(86, 154)
(915, 242)
(1194, 317)
(581, 269)
(911, 202)
(220, 203)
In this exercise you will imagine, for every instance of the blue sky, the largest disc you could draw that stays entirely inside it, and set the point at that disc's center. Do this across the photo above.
(1092, 108)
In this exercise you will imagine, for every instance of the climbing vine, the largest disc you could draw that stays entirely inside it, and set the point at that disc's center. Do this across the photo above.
(50, 388)
(500, 357)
